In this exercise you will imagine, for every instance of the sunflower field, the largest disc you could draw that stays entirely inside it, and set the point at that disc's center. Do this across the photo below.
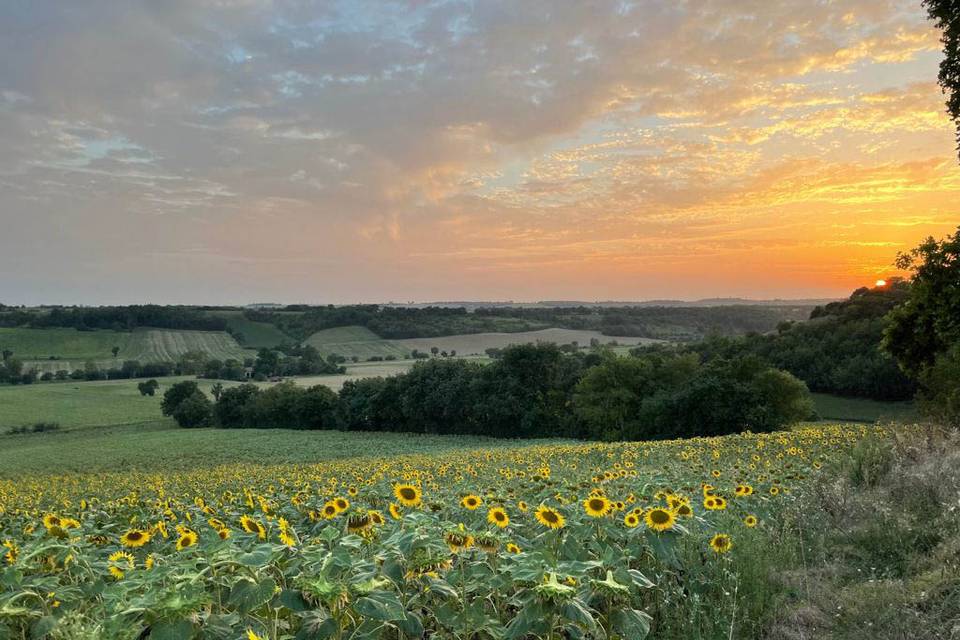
(630, 540)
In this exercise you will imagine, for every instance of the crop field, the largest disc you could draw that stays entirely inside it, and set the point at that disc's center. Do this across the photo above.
(255, 334)
(363, 343)
(69, 349)
(355, 341)
(478, 343)
(553, 540)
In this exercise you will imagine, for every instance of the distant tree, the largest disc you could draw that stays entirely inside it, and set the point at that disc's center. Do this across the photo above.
(946, 15)
(176, 394)
(7, 354)
(434, 350)
(115, 351)
(148, 388)
(194, 411)
(453, 353)
(217, 390)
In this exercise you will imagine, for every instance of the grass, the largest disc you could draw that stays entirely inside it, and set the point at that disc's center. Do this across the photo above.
(254, 334)
(355, 341)
(77, 405)
(69, 349)
(833, 408)
(162, 446)
(68, 344)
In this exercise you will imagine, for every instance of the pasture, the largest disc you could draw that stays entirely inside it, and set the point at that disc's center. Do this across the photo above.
(830, 407)
(355, 341)
(255, 334)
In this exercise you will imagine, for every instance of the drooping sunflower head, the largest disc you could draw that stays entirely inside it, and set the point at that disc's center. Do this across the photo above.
(721, 543)
(596, 506)
(50, 520)
(407, 494)
(512, 548)
(660, 519)
(358, 521)
(549, 518)
(395, 512)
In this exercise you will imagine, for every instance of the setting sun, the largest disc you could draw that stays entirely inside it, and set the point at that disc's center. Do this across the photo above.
(881, 283)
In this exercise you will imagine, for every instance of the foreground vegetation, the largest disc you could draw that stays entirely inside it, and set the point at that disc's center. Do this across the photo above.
(681, 539)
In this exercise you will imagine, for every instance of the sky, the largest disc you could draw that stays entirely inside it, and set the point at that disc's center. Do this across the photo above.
(234, 151)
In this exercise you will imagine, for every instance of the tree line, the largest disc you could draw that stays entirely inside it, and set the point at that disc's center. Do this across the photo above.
(118, 318)
(530, 391)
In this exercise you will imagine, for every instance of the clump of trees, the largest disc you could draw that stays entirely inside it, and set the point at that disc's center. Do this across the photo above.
(122, 318)
(923, 333)
(838, 351)
(530, 391)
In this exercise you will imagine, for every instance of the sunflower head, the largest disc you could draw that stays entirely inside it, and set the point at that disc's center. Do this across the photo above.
(471, 502)
(660, 519)
(135, 538)
(550, 518)
(497, 516)
(721, 543)
(407, 494)
(596, 506)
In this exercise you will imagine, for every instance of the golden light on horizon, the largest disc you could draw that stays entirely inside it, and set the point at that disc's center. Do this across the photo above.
(881, 283)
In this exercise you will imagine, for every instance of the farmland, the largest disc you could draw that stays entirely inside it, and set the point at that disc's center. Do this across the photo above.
(70, 349)
(545, 539)
(254, 334)
(363, 343)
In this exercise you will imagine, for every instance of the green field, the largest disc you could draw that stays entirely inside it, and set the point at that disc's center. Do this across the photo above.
(69, 349)
(363, 343)
(76, 405)
(833, 408)
(162, 446)
(355, 341)
(255, 334)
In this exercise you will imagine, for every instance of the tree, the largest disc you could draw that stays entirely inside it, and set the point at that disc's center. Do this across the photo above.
(217, 390)
(115, 351)
(7, 354)
(194, 411)
(434, 350)
(928, 323)
(148, 388)
(946, 15)
(176, 394)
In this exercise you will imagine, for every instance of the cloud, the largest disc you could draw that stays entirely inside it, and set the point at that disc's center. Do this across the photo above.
(278, 133)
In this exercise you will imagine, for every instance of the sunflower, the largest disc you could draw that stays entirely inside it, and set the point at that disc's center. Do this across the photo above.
(329, 510)
(750, 521)
(498, 516)
(660, 519)
(186, 540)
(458, 540)
(50, 521)
(512, 548)
(549, 517)
(743, 490)
(597, 506)
(395, 512)
(774, 491)
(149, 562)
(252, 635)
(715, 503)
(522, 506)
(118, 561)
(12, 551)
(135, 538)
(342, 504)
(631, 520)
(377, 518)
(721, 543)
(252, 526)
(359, 521)
(407, 494)
(471, 502)
(684, 511)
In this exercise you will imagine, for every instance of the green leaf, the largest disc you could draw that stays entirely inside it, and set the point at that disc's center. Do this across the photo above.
(630, 623)
(293, 601)
(259, 557)
(247, 595)
(381, 605)
(575, 611)
(42, 627)
(317, 625)
(411, 625)
(178, 630)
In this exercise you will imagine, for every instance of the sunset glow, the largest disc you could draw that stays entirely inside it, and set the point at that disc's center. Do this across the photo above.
(354, 151)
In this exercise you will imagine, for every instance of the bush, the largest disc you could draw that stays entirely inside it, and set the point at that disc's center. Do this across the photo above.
(176, 394)
(148, 388)
(194, 411)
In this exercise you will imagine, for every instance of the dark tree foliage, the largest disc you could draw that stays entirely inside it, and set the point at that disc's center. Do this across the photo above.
(194, 411)
(923, 333)
(176, 394)
(946, 14)
(124, 318)
(537, 391)
(838, 351)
